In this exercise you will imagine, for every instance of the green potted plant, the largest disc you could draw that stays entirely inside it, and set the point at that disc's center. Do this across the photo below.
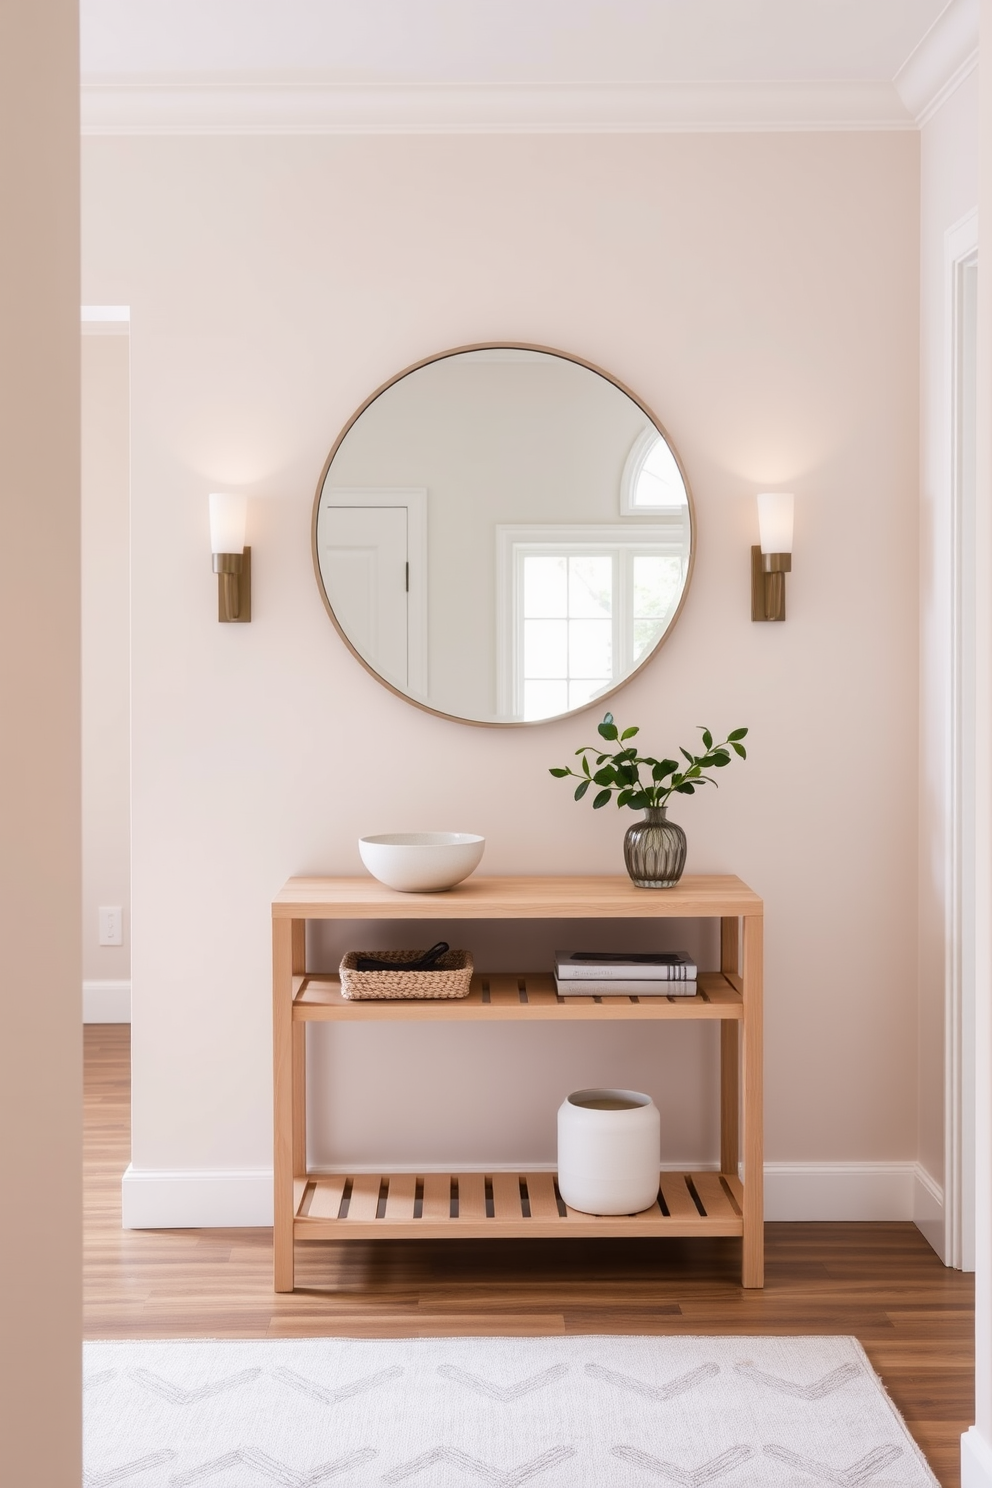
(653, 849)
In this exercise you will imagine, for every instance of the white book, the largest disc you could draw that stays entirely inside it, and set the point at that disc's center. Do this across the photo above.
(624, 987)
(601, 966)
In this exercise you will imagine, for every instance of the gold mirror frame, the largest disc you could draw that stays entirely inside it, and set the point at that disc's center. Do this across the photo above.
(440, 357)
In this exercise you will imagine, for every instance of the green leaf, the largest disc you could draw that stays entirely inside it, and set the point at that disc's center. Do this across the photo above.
(686, 755)
(686, 790)
(601, 757)
(624, 796)
(601, 799)
(607, 717)
(585, 765)
(639, 801)
(735, 734)
(707, 738)
(605, 776)
(629, 733)
(662, 768)
(721, 758)
(559, 772)
(608, 730)
(581, 789)
(740, 749)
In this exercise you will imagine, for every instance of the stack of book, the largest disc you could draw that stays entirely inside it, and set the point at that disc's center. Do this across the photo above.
(616, 974)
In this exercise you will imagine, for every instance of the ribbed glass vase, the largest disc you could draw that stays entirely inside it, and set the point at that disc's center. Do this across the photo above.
(654, 850)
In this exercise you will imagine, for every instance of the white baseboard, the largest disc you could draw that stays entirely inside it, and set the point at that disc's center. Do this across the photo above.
(106, 1002)
(976, 1460)
(851, 1191)
(174, 1199)
(195, 1198)
(928, 1211)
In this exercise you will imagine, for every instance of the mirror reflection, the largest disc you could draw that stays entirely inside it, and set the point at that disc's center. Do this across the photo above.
(503, 535)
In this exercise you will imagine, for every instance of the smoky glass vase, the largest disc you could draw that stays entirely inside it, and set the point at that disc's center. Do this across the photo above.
(654, 850)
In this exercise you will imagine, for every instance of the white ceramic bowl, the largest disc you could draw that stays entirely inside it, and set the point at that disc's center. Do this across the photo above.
(421, 862)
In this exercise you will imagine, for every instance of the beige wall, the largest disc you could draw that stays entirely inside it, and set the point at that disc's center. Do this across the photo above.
(760, 292)
(39, 747)
(105, 656)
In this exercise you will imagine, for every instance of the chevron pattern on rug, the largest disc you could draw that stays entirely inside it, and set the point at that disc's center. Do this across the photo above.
(563, 1412)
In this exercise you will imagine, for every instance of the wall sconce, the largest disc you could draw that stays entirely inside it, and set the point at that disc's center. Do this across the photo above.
(772, 560)
(232, 560)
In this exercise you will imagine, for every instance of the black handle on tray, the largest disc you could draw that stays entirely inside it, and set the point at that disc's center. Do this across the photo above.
(427, 962)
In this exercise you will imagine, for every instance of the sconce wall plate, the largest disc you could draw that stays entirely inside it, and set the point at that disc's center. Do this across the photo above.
(233, 572)
(768, 572)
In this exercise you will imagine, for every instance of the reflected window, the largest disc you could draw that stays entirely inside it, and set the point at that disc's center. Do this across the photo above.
(652, 480)
(579, 615)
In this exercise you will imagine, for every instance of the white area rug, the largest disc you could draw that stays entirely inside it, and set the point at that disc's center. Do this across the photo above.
(579, 1412)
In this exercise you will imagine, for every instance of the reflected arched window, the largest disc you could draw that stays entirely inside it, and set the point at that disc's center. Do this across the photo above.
(652, 480)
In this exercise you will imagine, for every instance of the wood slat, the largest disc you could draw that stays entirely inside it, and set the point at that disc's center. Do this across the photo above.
(541, 1189)
(364, 1196)
(327, 1195)
(401, 1196)
(736, 1187)
(437, 1196)
(471, 1196)
(677, 1197)
(299, 1189)
(504, 991)
(713, 1196)
(541, 990)
(506, 1196)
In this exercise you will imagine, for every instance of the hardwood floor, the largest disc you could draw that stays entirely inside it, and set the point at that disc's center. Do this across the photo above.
(880, 1282)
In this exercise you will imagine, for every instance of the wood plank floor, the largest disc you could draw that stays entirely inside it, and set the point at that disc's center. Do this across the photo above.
(880, 1282)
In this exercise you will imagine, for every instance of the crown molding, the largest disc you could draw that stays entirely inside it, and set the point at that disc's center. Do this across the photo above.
(225, 106)
(941, 62)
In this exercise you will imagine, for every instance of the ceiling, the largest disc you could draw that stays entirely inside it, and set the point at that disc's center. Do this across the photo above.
(213, 65)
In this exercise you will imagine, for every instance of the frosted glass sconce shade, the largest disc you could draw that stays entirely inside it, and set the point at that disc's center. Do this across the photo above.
(772, 559)
(231, 559)
(775, 514)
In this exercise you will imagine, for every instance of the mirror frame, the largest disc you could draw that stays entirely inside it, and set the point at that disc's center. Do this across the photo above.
(441, 356)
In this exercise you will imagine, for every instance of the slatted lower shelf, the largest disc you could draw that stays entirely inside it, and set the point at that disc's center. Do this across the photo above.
(438, 1206)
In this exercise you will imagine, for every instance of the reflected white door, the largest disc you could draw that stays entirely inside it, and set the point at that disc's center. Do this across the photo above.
(364, 559)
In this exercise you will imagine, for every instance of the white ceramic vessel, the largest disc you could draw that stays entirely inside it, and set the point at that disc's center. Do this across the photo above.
(609, 1151)
(421, 862)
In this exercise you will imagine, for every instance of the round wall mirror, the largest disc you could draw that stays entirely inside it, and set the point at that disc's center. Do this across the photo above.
(503, 534)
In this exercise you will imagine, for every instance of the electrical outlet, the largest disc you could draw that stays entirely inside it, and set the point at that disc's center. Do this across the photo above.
(111, 925)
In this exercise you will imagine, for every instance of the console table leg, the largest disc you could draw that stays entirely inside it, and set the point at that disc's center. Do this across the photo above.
(753, 1259)
(283, 940)
(730, 1080)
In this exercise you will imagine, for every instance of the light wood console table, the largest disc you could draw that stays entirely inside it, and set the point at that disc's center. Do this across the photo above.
(517, 1205)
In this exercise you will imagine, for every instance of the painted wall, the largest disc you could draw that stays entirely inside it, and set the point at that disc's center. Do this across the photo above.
(40, 972)
(106, 665)
(948, 194)
(761, 293)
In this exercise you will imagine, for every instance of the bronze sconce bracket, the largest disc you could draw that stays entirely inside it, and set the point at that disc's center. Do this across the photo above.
(233, 572)
(768, 571)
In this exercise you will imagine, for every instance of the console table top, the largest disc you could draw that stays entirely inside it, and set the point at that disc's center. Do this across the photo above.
(524, 898)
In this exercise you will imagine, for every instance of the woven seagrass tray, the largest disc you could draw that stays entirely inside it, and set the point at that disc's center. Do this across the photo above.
(451, 977)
